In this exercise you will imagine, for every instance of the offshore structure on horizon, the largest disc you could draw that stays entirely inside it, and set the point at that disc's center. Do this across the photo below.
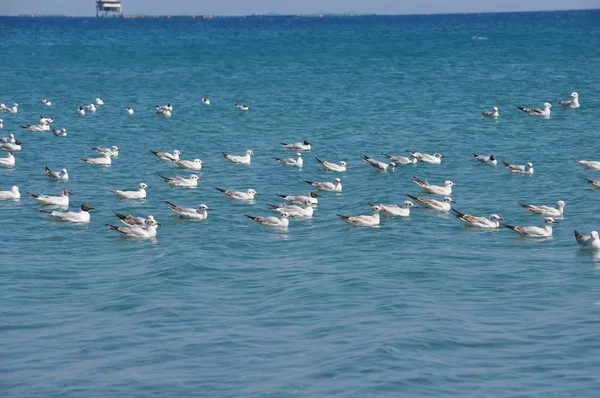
(106, 7)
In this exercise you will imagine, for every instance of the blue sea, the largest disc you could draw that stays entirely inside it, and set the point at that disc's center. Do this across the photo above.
(420, 306)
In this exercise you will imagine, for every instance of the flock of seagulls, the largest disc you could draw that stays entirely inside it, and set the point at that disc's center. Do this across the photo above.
(438, 199)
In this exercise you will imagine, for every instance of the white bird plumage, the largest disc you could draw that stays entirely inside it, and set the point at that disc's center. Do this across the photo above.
(526, 169)
(339, 167)
(14, 194)
(47, 200)
(490, 222)
(238, 195)
(395, 210)
(534, 231)
(242, 159)
(573, 103)
(591, 242)
(139, 194)
(365, 220)
(81, 216)
(335, 186)
(547, 211)
(199, 213)
(189, 182)
(57, 175)
(445, 190)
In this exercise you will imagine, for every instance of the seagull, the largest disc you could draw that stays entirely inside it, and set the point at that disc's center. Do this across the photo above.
(446, 190)
(519, 169)
(248, 195)
(364, 221)
(482, 159)
(57, 175)
(335, 186)
(112, 151)
(205, 101)
(274, 222)
(139, 194)
(191, 182)
(1, 124)
(395, 210)
(537, 111)
(340, 167)
(104, 159)
(47, 101)
(201, 213)
(167, 156)
(401, 160)
(312, 197)
(304, 211)
(12, 194)
(536, 232)
(436, 158)
(298, 146)
(129, 110)
(132, 221)
(377, 164)
(81, 216)
(10, 138)
(164, 110)
(437, 205)
(13, 109)
(81, 111)
(243, 159)
(195, 164)
(11, 146)
(493, 113)
(588, 164)
(595, 184)
(62, 200)
(99, 101)
(60, 132)
(573, 104)
(91, 108)
(47, 120)
(36, 127)
(546, 211)
(242, 107)
(291, 161)
(588, 242)
(145, 232)
(8, 161)
(479, 222)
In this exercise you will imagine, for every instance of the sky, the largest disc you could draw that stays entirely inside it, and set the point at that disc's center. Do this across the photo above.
(246, 7)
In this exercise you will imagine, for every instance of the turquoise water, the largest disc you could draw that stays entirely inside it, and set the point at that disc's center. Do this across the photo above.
(225, 308)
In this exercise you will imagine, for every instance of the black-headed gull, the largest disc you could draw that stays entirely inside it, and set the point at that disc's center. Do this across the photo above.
(57, 175)
(132, 221)
(242, 107)
(275, 222)
(10, 138)
(199, 213)
(11, 146)
(139, 194)
(297, 162)
(437, 205)
(47, 120)
(8, 161)
(195, 164)
(166, 155)
(537, 111)
(47, 101)
(395, 210)
(480, 222)
(312, 197)
(81, 216)
(591, 242)
(381, 166)
(573, 104)
(298, 146)
(113, 150)
(147, 231)
(588, 164)
(14, 193)
(243, 159)
(519, 169)
(335, 186)
(190, 182)
(81, 111)
(46, 200)
(535, 232)
(99, 101)
(129, 110)
(493, 113)
(103, 159)
(339, 167)
(296, 211)
(547, 211)
(401, 160)
(238, 195)
(365, 220)
(482, 159)
(436, 158)
(205, 101)
(445, 190)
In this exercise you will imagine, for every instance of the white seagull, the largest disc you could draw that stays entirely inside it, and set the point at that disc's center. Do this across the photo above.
(190, 182)
(297, 162)
(47, 120)
(43, 126)
(364, 221)
(243, 159)
(377, 164)
(8, 161)
(46, 200)
(588, 164)
(274, 222)
(13, 109)
(395, 210)
(200, 213)
(11, 146)
(573, 104)
(437, 205)
(129, 110)
(47, 101)
(57, 175)
(103, 160)
(167, 156)
(482, 159)
(298, 146)
(205, 101)
(12, 194)
(99, 101)
(164, 110)
(242, 107)
(546, 211)
(139, 194)
(519, 169)
(493, 113)
(312, 198)
(591, 242)
(303, 211)
(335, 186)
(535, 232)
(248, 195)
(10, 138)
(1, 124)
(112, 151)
(537, 111)
(479, 222)
(401, 160)
(147, 231)
(81, 216)
(445, 190)
(436, 158)
(195, 164)
(340, 167)
(132, 221)
(91, 108)
(60, 132)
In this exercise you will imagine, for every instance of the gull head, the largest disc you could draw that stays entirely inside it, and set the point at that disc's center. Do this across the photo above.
(392, 165)
(194, 177)
(64, 171)
(547, 105)
(574, 94)
(306, 142)
(407, 204)
(143, 186)
(448, 199)
(529, 165)
(204, 207)
(338, 180)
(594, 235)
(198, 161)
(549, 221)
(561, 203)
(299, 154)
(85, 207)
(114, 148)
(495, 217)
(249, 152)
(66, 192)
(251, 192)
(151, 222)
(343, 164)
(176, 152)
(438, 155)
(495, 108)
(492, 157)
(314, 195)
(15, 189)
(449, 183)
(284, 214)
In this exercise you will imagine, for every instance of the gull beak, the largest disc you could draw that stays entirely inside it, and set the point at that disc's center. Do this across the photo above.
(158, 223)
(209, 208)
(148, 186)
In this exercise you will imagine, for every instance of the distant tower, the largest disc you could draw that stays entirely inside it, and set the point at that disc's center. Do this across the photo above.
(104, 7)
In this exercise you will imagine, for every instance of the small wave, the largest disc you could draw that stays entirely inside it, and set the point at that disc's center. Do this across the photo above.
(479, 38)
